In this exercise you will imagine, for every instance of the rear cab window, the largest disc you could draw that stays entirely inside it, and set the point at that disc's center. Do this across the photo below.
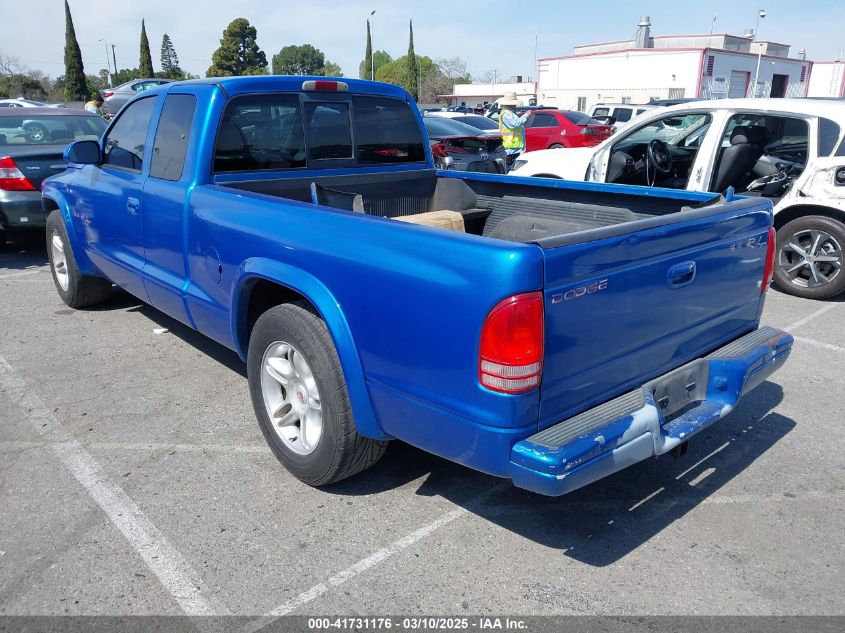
(282, 131)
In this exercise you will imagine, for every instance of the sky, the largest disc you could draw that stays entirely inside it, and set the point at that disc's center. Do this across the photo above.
(491, 35)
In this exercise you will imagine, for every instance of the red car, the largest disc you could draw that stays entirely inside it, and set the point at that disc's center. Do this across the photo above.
(548, 129)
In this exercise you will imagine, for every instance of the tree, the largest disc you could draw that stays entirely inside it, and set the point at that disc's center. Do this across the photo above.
(126, 74)
(447, 73)
(299, 60)
(413, 82)
(146, 64)
(396, 72)
(75, 88)
(330, 69)
(380, 58)
(238, 53)
(169, 60)
(366, 69)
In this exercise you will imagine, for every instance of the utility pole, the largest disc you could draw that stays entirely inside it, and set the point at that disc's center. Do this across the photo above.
(114, 59)
(108, 65)
(761, 13)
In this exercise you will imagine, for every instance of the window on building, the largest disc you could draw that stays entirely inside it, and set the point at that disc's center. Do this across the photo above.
(626, 99)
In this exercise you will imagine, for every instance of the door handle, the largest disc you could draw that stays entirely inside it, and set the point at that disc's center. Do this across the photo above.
(681, 274)
(133, 205)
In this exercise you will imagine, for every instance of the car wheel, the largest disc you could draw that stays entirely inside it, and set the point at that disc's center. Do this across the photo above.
(36, 131)
(809, 258)
(556, 146)
(75, 289)
(2, 239)
(300, 398)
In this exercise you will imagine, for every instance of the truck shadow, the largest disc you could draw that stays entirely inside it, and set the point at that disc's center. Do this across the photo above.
(603, 522)
(24, 249)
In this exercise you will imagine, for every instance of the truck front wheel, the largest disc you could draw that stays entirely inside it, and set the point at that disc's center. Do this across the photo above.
(75, 289)
(300, 398)
(809, 259)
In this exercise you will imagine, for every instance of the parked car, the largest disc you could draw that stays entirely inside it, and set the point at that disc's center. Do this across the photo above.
(32, 140)
(462, 147)
(790, 151)
(116, 98)
(618, 115)
(553, 129)
(28, 103)
(548, 332)
(483, 123)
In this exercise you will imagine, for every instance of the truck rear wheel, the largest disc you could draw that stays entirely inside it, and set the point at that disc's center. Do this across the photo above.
(300, 398)
(75, 289)
(809, 259)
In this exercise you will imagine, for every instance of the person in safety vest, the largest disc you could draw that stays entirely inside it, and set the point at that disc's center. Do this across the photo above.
(512, 127)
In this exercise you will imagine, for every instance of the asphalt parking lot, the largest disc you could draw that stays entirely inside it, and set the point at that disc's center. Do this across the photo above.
(134, 480)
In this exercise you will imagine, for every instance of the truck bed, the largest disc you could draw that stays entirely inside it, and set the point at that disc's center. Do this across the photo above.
(518, 210)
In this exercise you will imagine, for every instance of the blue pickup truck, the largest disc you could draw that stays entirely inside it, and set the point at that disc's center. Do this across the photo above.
(548, 332)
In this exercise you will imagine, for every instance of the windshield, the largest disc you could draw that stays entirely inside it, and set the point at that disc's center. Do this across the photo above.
(438, 127)
(672, 129)
(50, 130)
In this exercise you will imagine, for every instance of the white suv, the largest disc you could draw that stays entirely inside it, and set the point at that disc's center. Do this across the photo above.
(789, 150)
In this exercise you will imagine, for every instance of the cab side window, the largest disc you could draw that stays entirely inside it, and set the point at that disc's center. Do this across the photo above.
(172, 135)
(124, 146)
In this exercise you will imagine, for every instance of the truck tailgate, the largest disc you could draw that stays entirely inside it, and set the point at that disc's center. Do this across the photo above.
(629, 305)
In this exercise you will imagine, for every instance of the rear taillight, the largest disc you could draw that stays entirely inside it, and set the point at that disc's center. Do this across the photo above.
(589, 130)
(511, 352)
(769, 270)
(107, 93)
(438, 150)
(12, 178)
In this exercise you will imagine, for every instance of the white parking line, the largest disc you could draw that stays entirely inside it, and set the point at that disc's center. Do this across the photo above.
(369, 562)
(172, 570)
(149, 447)
(811, 341)
(21, 274)
(807, 319)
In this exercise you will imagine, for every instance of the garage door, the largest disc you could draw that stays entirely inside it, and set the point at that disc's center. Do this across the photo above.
(738, 85)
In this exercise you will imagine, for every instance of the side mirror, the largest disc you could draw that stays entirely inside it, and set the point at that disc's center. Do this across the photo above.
(83, 153)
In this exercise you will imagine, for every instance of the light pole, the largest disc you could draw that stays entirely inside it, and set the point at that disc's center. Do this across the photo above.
(373, 56)
(108, 65)
(761, 13)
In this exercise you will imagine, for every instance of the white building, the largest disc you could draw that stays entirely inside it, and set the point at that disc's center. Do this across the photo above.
(827, 79)
(479, 95)
(670, 67)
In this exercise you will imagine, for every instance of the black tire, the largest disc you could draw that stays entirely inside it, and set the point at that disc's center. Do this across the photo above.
(800, 283)
(37, 132)
(555, 146)
(82, 290)
(340, 452)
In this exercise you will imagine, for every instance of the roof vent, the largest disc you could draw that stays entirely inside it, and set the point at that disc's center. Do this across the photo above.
(644, 33)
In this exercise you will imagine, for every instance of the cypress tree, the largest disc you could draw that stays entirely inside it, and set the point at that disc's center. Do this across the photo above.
(413, 68)
(368, 56)
(146, 65)
(75, 87)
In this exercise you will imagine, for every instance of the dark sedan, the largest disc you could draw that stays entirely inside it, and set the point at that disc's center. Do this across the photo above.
(462, 147)
(32, 141)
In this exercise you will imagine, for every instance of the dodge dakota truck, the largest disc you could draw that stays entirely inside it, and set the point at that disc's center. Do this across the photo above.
(549, 332)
